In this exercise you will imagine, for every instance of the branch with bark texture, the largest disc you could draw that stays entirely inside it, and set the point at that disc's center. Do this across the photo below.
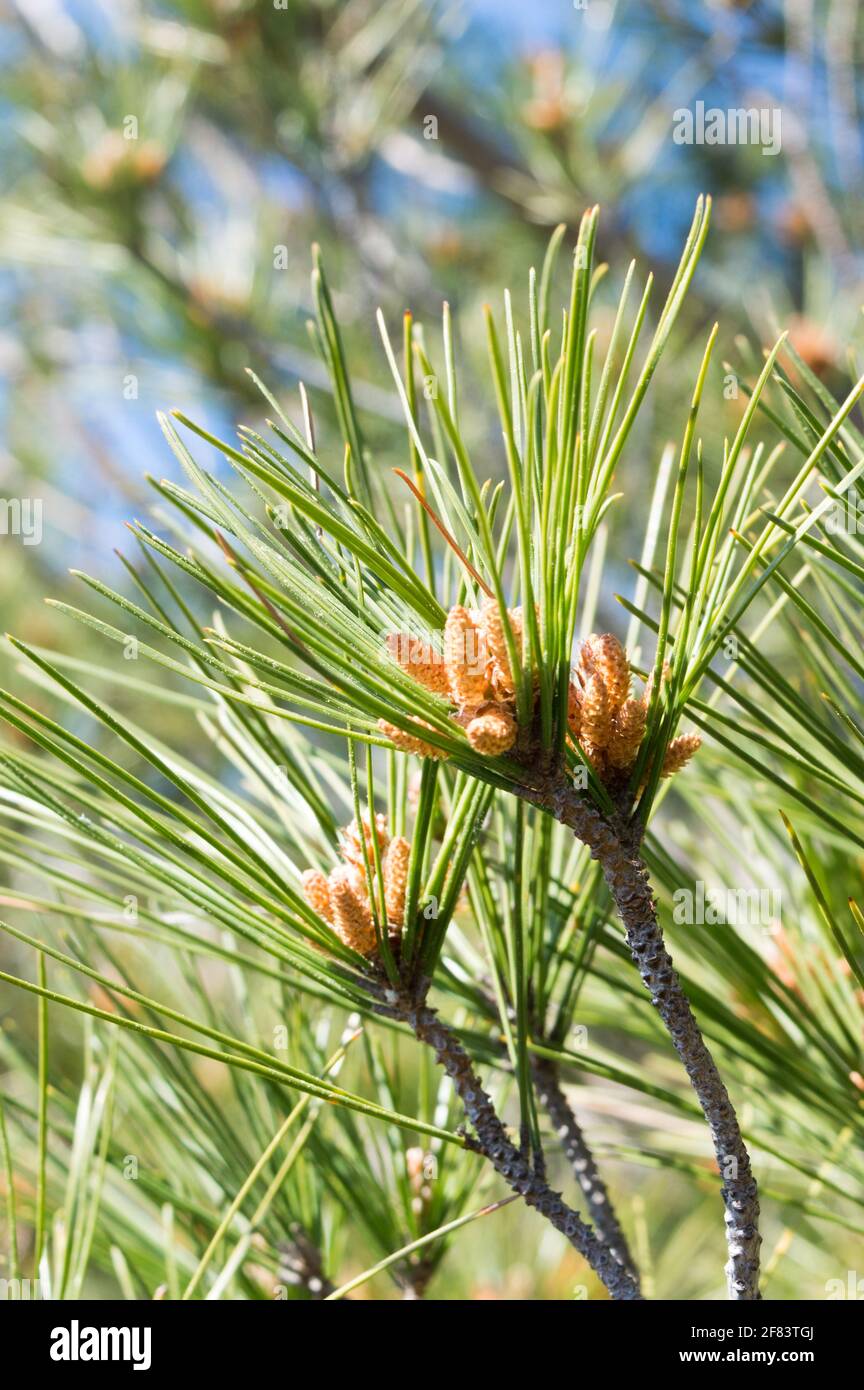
(581, 1160)
(491, 1139)
(302, 1265)
(578, 1153)
(626, 876)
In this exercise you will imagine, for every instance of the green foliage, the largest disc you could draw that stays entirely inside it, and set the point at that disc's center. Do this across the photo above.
(220, 1009)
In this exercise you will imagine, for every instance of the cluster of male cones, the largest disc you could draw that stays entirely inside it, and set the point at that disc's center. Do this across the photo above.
(607, 721)
(474, 674)
(342, 899)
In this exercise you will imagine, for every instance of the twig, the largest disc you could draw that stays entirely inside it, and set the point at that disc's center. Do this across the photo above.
(415, 1280)
(493, 1142)
(581, 1160)
(302, 1265)
(627, 879)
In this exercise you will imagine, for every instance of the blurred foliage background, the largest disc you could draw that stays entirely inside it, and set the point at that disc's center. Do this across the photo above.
(167, 167)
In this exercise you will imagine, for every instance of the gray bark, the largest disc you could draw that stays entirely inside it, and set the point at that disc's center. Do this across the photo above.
(494, 1143)
(301, 1264)
(628, 884)
(582, 1164)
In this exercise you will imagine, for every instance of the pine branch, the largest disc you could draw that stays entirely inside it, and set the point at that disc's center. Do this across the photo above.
(302, 1265)
(493, 1142)
(578, 1153)
(415, 1280)
(627, 879)
(582, 1162)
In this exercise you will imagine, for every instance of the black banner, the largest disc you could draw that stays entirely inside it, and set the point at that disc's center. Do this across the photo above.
(86, 1338)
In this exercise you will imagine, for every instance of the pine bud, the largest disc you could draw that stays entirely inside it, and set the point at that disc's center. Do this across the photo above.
(596, 713)
(464, 657)
(414, 1160)
(679, 753)
(359, 851)
(628, 730)
(492, 730)
(410, 743)
(493, 627)
(574, 710)
(352, 916)
(316, 891)
(603, 655)
(395, 879)
(420, 660)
